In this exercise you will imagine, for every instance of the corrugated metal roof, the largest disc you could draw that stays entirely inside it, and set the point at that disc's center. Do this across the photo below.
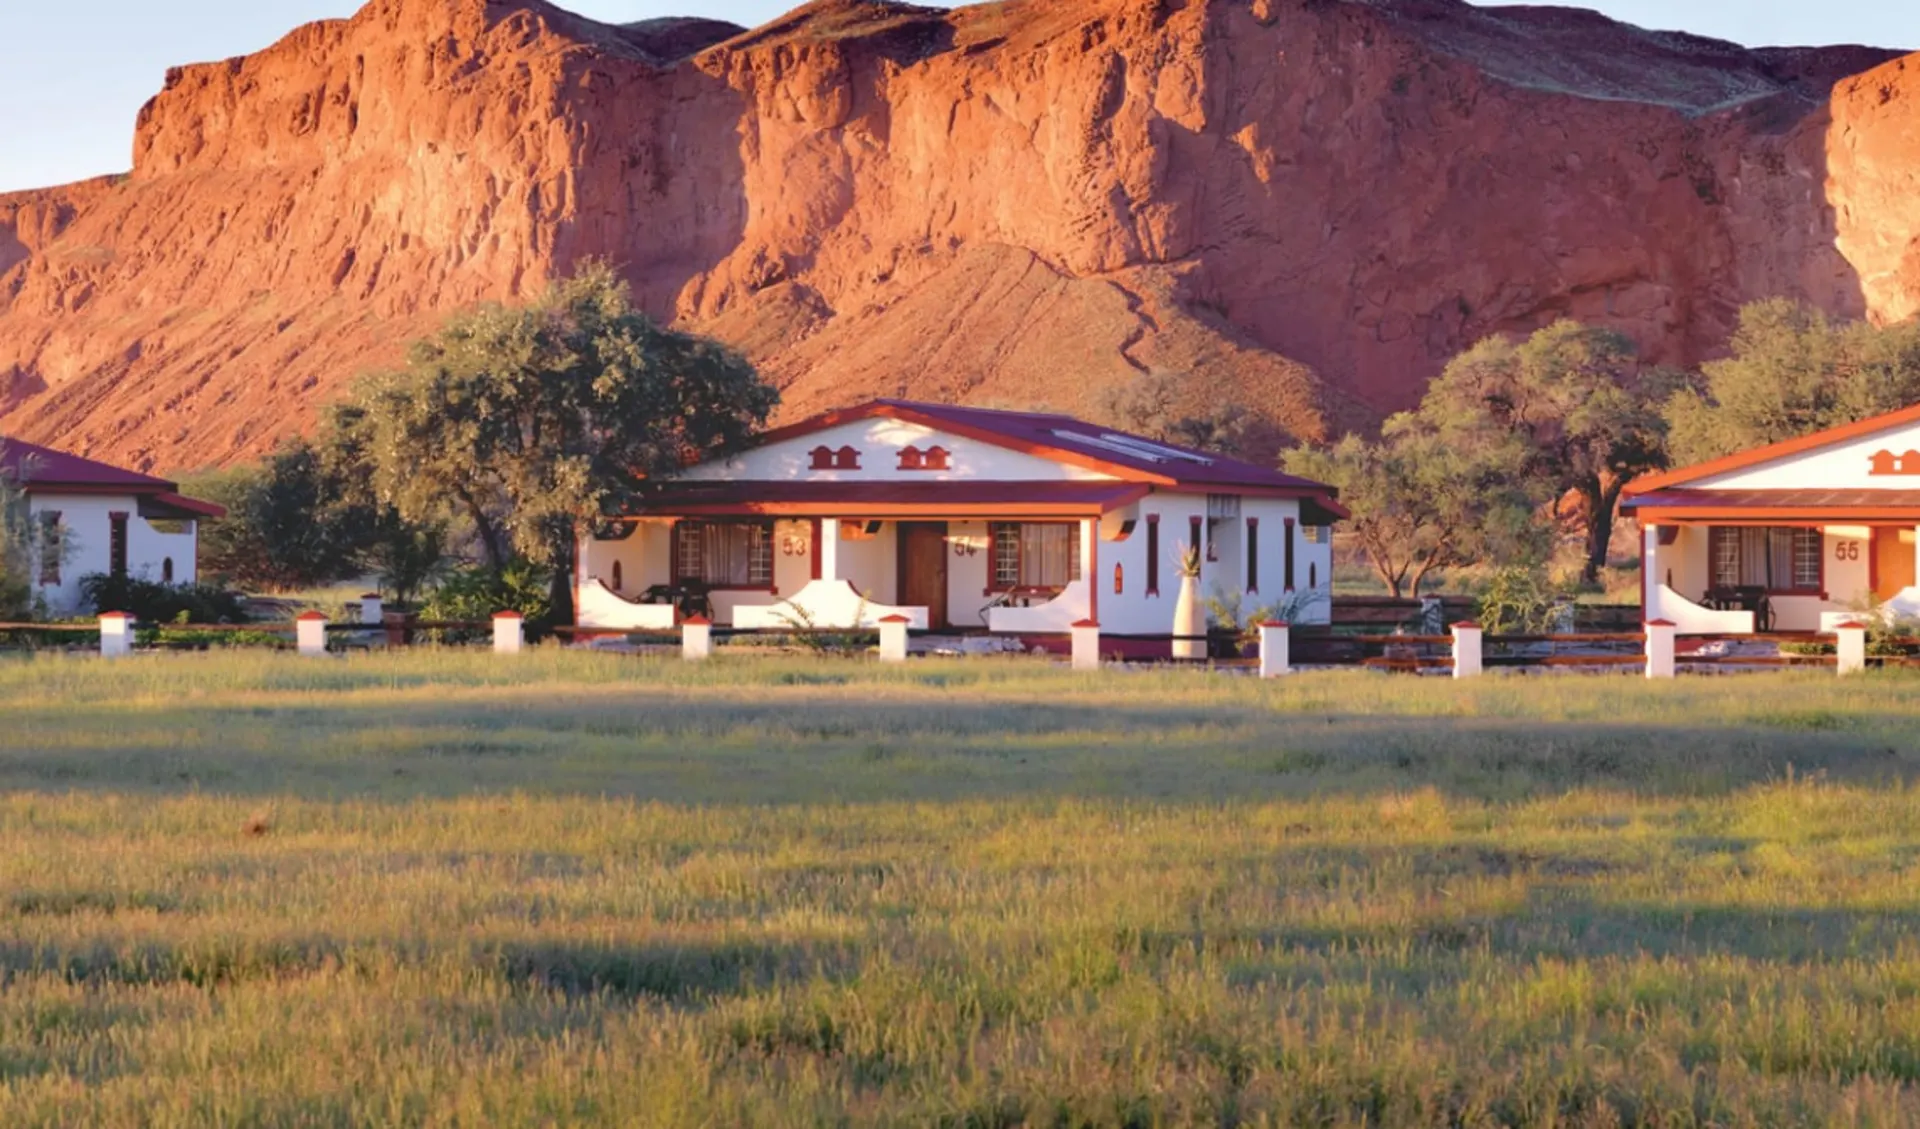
(33, 465)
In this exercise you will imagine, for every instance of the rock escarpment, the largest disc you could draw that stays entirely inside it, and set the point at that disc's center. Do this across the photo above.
(1304, 205)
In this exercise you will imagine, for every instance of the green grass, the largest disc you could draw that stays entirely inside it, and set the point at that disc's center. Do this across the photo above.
(587, 890)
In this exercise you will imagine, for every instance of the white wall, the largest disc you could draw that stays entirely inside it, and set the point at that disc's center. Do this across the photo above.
(1686, 567)
(1841, 465)
(880, 442)
(87, 530)
(968, 575)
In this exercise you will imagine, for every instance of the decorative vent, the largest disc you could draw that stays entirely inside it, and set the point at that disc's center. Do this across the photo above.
(1888, 463)
(826, 458)
(933, 458)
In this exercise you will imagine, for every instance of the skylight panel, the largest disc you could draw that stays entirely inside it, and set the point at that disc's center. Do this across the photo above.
(1134, 447)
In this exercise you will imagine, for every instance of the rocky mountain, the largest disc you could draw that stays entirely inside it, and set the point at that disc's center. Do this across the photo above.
(1303, 205)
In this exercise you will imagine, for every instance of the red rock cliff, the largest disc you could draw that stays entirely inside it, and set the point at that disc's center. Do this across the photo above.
(1305, 204)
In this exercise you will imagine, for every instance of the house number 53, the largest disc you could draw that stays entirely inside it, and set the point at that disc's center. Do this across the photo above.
(1846, 550)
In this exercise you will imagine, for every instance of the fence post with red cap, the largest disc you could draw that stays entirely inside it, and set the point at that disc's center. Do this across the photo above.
(1086, 645)
(1850, 647)
(1469, 650)
(893, 638)
(310, 634)
(696, 638)
(1660, 641)
(116, 635)
(1275, 647)
(509, 632)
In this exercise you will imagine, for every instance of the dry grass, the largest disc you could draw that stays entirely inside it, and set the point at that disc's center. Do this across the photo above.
(443, 889)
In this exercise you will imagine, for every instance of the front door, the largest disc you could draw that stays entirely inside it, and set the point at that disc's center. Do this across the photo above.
(923, 569)
(1892, 561)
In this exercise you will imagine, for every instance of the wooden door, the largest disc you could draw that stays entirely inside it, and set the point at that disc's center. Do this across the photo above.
(1893, 569)
(923, 569)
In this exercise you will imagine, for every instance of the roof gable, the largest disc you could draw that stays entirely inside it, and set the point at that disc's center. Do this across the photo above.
(1065, 440)
(1868, 454)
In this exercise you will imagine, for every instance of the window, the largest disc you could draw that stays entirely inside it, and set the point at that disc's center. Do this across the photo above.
(52, 546)
(1776, 558)
(166, 571)
(1035, 554)
(619, 578)
(933, 458)
(117, 544)
(1153, 554)
(1315, 534)
(724, 554)
(1290, 574)
(1253, 555)
(1194, 536)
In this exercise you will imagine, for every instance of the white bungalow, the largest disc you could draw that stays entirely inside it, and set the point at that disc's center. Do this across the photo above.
(1788, 537)
(97, 518)
(960, 519)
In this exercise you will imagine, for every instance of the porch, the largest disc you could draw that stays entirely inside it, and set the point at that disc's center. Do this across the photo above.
(1005, 574)
(1797, 572)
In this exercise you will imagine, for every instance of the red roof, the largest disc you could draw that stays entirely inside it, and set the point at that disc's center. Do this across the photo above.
(1838, 504)
(45, 469)
(32, 465)
(887, 499)
(1065, 439)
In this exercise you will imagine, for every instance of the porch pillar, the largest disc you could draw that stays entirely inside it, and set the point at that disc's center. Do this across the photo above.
(1090, 563)
(829, 548)
(1649, 567)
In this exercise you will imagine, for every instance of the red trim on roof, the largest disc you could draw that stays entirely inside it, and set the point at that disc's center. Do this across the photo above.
(191, 505)
(1855, 504)
(813, 498)
(1782, 449)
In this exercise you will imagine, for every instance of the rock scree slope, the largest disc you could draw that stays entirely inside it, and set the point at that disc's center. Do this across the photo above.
(1302, 205)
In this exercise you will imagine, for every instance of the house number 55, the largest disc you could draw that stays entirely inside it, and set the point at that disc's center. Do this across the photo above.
(1846, 550)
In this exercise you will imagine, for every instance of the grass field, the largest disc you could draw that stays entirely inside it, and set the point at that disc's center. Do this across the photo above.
(443, 889)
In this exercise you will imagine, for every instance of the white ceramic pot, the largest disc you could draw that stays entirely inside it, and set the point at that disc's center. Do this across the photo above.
(1189, 618)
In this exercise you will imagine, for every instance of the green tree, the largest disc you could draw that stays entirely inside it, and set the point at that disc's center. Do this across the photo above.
(1587, 418)
(1161, 406)
(1422, 502)
(533, 423)
(1793, 372)
(290, 522)
(17, 551)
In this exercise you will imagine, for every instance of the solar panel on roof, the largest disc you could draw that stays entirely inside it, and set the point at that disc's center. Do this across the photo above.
(1134, 447)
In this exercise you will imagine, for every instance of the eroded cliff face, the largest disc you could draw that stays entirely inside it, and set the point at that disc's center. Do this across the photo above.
(1304, 205)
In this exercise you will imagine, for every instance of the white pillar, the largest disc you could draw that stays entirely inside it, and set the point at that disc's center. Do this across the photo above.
(1851, 648)
(116, 635)
(371, 610)
(509, 633)
(1651, 577)
(1468, 650)
(1086, 645)
(829, 548)
(310, 634)
(696, 638)
(1660, 635)
(1275, 648)
(893, 639)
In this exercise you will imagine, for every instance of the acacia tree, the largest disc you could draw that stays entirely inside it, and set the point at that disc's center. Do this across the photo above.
(1586, 416)
(534, 423)
(1421, 502)
(17, 550)
(1793, 372)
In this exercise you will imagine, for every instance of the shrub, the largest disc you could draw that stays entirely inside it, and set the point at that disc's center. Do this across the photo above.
(475, 593)
(150, 601)
(1520, 601)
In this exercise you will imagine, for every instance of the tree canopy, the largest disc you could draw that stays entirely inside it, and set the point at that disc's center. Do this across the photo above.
(533, 423)
(1792, 372)
(1574, 398)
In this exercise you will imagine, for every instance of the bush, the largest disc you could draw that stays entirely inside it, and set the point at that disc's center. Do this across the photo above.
(475, 593)
(152, 602)
(1520, 601)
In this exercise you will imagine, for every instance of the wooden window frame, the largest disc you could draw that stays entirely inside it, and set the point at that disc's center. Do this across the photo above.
(1153, 554)
(1075, 546)
(53, 539)
(773, 563)
(1717, 533)
(119, 544)
(1290, 570)
(1253, 556)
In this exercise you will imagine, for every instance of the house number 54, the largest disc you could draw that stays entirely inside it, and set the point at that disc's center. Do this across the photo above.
(1846, 550)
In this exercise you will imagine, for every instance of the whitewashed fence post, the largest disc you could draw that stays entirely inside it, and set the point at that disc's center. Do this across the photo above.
(509, 632)
(1469, 647)
(1850, 649)
(1276, 658)
(116, 635)
(696, 638)
(310, 635)
(1660, 639)
(372, 612)
(893, 638)
(1086, 645)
